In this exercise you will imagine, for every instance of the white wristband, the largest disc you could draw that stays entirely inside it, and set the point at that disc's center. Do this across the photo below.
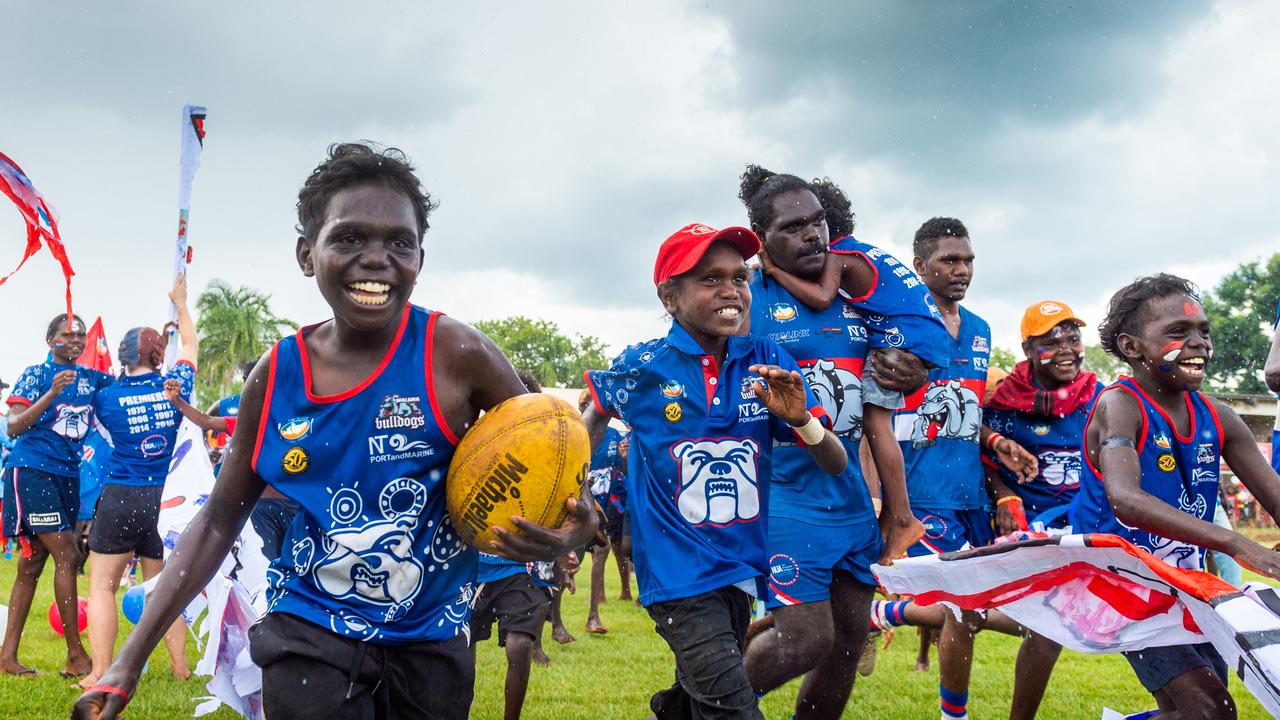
(812, 432)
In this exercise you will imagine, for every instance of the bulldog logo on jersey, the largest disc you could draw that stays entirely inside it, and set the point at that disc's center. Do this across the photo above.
(949, 410)
(718, 482)
(72, 421)
(839, 392)
(374, 562)
(1060, 467)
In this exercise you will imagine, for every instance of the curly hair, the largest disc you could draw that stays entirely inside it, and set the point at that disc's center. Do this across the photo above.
(759, 186)
(926, 240)
(531, 383)
(1127, 310)
(351, 164)
(840, 217)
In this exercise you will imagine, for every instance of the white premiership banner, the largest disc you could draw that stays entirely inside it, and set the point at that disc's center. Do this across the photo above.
(1102, 594)
(189, 162)
(227, 602)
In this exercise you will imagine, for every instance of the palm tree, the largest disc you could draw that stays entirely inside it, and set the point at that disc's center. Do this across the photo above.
(235, 324)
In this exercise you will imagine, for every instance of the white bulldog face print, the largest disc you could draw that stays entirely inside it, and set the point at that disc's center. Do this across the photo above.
(718, 480)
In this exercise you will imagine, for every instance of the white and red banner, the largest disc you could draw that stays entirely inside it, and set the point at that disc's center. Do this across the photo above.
(1101, 594)
(192, 143)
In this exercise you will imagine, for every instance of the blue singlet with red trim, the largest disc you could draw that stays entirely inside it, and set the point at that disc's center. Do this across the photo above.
(372, 554)
(1180, 470)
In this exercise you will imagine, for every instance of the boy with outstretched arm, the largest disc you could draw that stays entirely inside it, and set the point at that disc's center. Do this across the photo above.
(369, 600)
(705, 405)
(1153, 450)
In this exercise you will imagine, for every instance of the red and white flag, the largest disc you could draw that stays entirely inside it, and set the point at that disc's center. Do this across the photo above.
(1102, 594)
(96, 355)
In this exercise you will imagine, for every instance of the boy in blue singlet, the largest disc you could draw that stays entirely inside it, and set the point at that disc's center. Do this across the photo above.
(1153, 451)
(705, 405)
(50, 411)
(355, 418)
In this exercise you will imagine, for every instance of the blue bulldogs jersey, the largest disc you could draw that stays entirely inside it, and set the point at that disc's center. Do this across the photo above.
(606, 467)
(831, 348)
(142, 425)
(1179, 470)
(53, 443)
(372, 554)
(700, 462)
(1056, 442)
(941, 425)
(899, 310)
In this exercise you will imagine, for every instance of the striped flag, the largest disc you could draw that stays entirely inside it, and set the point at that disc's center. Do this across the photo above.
(1102, 594)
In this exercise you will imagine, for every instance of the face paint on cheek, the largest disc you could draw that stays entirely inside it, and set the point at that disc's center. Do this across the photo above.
(1045, 356)
(1170, 352)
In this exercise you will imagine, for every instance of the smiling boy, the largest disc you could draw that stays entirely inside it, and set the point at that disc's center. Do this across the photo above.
(369, 600)
(1153, 450)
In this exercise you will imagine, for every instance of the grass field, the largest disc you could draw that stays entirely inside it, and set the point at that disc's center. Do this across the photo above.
(612, 676)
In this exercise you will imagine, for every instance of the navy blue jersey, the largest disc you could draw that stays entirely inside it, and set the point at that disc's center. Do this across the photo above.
(142, 425)
(1180, 470)
(54, 442)
(700, 463)
(899, 310)
(1056, 442)
(831, 348)
(941, 425)
(371, 553)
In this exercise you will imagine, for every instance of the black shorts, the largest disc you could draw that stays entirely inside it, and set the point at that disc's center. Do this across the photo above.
(38, 502)
(1157, 666)
(615, 527)
(271, 519)
(125, 522)
(514, 602)
(311, 673)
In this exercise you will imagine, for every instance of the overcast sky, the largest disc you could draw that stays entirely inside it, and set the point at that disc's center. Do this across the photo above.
(1083, 145)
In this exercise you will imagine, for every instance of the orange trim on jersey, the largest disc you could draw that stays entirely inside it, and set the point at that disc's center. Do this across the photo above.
(265, 415)
(386, 360)
(430, 377)
(15, 400)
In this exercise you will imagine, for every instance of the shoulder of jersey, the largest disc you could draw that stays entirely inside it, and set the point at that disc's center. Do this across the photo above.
(642, 353)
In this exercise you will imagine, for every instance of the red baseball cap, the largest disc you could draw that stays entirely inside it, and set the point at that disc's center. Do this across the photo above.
(680, 252)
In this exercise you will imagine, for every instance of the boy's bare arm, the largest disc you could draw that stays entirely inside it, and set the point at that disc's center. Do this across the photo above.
(596, 422)
(1240, 452)
(817, 295)
(23, 417)
(784, 395)
(1271, 371)
(204, 421)
(1118, 416)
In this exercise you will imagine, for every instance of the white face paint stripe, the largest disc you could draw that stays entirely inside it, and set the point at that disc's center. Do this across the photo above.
(1172, 355)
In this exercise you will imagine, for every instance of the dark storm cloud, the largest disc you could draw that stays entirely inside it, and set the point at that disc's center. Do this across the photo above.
(271, 68)
(934, 81)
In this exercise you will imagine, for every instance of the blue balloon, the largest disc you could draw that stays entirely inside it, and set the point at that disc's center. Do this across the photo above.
(132, 603)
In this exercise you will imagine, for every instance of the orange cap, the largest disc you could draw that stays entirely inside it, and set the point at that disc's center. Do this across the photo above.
(1043, 316)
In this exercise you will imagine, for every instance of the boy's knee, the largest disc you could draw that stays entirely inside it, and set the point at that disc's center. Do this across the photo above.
(1209, 703)
(519, 646)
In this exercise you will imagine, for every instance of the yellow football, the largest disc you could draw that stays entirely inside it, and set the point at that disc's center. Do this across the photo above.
(524, 457)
